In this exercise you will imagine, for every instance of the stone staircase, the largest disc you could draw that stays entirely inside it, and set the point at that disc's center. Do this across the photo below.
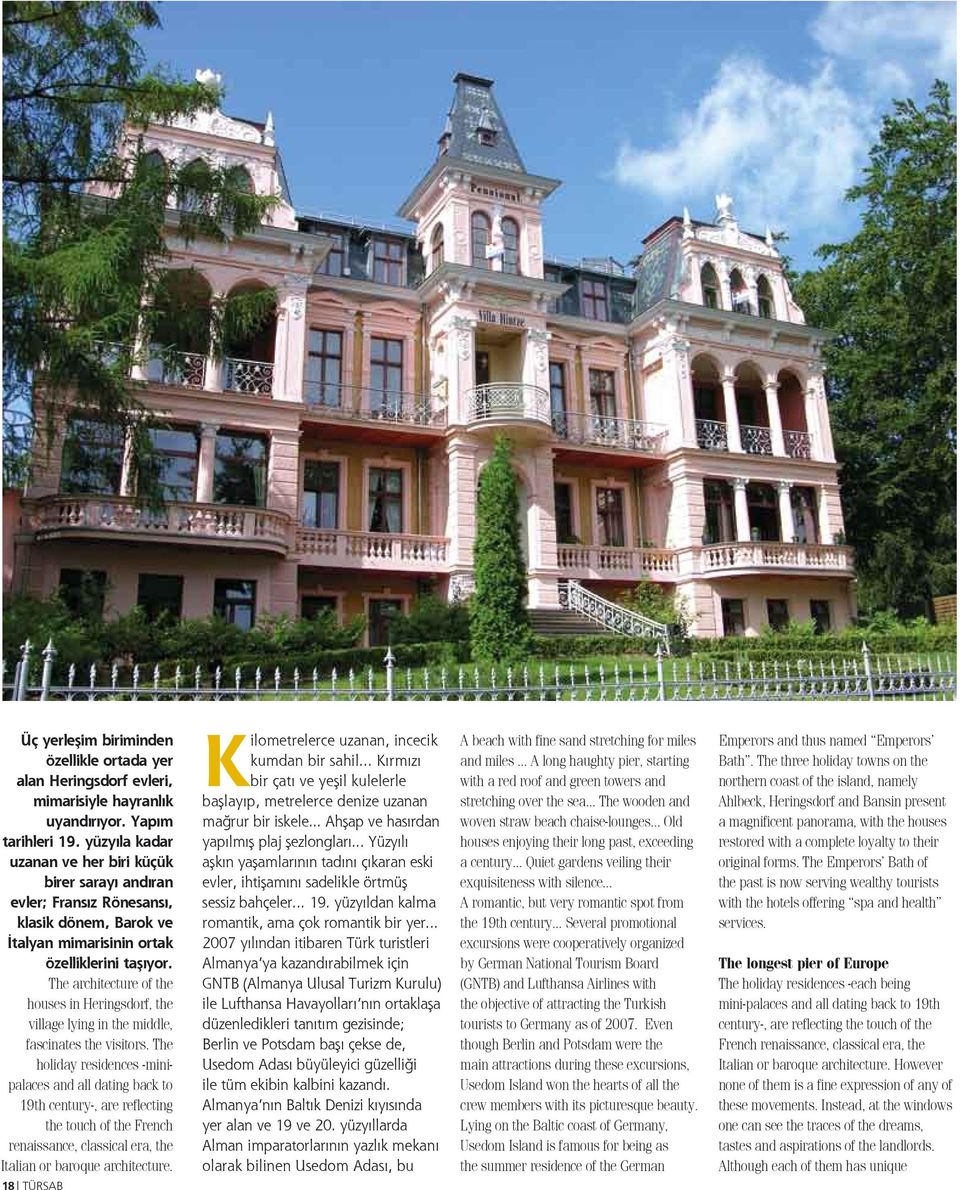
(560, 622)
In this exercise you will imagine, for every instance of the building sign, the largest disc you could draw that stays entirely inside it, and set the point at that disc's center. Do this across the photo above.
(498, 318)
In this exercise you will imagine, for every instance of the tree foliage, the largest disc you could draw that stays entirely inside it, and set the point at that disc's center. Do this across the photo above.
(86, 210)
(889, 296)
(499, 628)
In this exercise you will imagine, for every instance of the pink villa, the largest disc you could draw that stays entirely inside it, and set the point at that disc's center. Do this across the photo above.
(668, 422)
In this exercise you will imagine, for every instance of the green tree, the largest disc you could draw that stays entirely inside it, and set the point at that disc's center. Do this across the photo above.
(889, 296)
(499, 628)
(81, 269)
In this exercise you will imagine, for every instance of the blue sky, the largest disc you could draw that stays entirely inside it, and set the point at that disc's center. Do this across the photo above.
(639, 108)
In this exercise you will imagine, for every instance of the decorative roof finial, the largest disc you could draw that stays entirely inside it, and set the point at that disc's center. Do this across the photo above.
(769, 238)
(268, 130)
(687, 224)
(207, 77)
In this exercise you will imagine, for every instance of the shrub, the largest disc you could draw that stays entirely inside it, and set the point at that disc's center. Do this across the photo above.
(432, 619)
(652, 600)
(499, 629)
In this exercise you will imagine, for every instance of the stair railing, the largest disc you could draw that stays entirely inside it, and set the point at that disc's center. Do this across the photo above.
(611, 616)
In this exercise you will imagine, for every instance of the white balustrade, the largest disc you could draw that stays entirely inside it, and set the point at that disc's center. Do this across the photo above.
(621, 433)
(615, 561)
(376, 551)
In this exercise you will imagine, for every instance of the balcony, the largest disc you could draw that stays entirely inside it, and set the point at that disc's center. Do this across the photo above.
(798, 444)
(517, 407)
(254, 377)
(344, 548)
(184, 369)
(756, 440)
(712, 435)
(616, 562)
(384, 408)
(742, 556)
(121, 518)
(614, 433)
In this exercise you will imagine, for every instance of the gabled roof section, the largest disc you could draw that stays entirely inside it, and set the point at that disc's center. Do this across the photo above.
(478, 132)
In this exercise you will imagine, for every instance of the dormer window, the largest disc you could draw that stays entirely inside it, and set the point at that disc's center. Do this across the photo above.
(594, 297)
(389, 257)
(486, 132)
(446, 136)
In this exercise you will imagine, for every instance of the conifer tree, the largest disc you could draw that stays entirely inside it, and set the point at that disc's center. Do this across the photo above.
(499, 628)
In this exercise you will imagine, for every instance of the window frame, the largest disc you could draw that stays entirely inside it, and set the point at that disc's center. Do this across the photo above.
(511, 255)
(337, 253)
(340, 465)
(158, 610)
(778, 623)
(374, 465)
(69, 592)
(481, 260)
(727, 616)
(392, 255)
(726, 512)
(323, 384)
(598, 298)
(233, 605)
(160, 452)
(389, 398)
(437, 246)
(384, 597)
(600, 518)
(573, 520)
(101, 450)
(259, 471)
(821, 623)
(557, 374)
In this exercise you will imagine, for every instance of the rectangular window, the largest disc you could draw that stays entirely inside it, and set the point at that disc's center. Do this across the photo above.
(763, 511)
(240, 469)
(380, 613)
(324, 368)
(385, 496)
(386, 377)
(603, 394)
(321, 494)
(160, 595)
(563, 506)
(92, 459)
(172, 472)
(558, 399)
(718, 508)
(778, 614)
(312, 606)
(389, 257)
(733, 621)
(333, 265)
(820, 614)
(235, 600)
(84, 592)
(610, 522)
(594, 297)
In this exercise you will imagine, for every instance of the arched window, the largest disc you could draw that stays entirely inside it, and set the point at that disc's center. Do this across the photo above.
(739, 294)
(436, 247)
(710, 284)
(154, 160)
(765, 299)
(194, 185)
(511, 245)
(239, 178)
(479, 239)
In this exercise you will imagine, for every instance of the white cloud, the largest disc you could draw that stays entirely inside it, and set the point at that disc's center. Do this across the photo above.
(786, 151)
(907, 37)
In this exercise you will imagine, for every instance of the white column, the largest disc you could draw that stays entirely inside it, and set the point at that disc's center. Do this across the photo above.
(536, 360)
(818, 418)
(787, 531)
(460, 354)
(212, 373)
(741, 513)
(206, 462)
(730, 411)
(461, 510)
(723, 274)
(290, 350)
(127, 470)
(772, 390)
(823, 516)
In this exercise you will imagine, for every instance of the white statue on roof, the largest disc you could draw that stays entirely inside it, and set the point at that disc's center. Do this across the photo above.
(724, 207)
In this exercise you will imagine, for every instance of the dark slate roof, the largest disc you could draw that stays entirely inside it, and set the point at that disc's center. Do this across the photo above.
(475, 107)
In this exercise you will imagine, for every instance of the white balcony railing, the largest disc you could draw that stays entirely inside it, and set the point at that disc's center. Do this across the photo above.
(712, 435)
(507, 402)
(611, 617)
(247, 376)
(774, 555)
(328, 399)
(120, 516)
(620, 433)
(373, 551)
(615, 561)
(756, 440)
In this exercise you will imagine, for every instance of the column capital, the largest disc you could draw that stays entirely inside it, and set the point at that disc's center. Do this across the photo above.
(739, 483)
(728, 376)
(209, 429)
(784, 485)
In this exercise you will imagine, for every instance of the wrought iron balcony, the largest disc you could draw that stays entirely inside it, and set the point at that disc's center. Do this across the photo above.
(619, 433)
(370, 551)
(247, 376)
(348, 401)
(756, 440)
(712, 435)
(186, 369)
(507, 402)
(798, 444)
(122, 517)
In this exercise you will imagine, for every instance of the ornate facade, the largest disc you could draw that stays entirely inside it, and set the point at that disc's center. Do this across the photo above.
(668, 422)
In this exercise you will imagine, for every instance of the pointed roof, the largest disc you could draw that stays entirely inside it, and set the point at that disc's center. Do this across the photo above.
(476, 139)
(474, 110)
